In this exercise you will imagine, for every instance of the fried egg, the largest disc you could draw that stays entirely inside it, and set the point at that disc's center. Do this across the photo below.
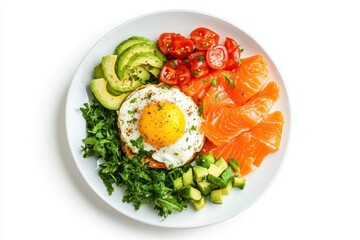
(167, 121)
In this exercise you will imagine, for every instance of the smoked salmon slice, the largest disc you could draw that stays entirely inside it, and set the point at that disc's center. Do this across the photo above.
(227, 121)
(216, 97)
(251, 147)
(248, 79)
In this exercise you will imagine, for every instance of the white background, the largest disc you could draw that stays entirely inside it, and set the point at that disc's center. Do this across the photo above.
(315, 45)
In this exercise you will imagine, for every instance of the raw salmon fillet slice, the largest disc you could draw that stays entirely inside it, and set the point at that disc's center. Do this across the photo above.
(216, 97)
(226, 122)
(251, 147)
(249, 78)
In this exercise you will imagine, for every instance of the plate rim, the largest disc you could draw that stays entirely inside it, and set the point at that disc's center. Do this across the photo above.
(177, 11)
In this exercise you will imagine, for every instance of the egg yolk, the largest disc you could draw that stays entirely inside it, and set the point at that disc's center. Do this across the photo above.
(161, 124)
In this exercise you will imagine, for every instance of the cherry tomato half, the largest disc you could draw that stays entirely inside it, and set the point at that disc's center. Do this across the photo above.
(233, 52)
(182, 48)
(175, 72)
(166, 40)
(204, 38)
(197, 64)
(217, 56)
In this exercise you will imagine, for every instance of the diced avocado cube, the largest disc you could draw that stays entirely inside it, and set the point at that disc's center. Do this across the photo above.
(217, 181)
(227, 190)
(221, 163)
(214, 170)
(198, 205)
(227, 175)
(234, 165)
(205, 160)
(178, 183)
(200, 173)
(191, 193)
(206, 187)
(216, 196)
(239, 182)
(188, 177)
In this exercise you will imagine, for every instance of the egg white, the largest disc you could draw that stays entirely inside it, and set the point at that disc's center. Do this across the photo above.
(185, 147)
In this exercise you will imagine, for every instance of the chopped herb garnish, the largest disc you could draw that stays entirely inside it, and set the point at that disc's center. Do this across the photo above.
(213, 82)
(132, 111)
(159, 107)
(173, 64)
(148, 96)
(229, 80)
(132, 100)
(217, 98)
(200, 58)
(193, 128)
(166, 86)
(196, 72)
(206, 80)
(200, 109)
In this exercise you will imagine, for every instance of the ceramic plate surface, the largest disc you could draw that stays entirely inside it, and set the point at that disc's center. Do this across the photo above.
(151, 26)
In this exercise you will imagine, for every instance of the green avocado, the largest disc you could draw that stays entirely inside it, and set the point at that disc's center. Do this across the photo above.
(130, 53)
(98, 87)
(145, 58)
(127, 83)
(98, 71)
(130, 42)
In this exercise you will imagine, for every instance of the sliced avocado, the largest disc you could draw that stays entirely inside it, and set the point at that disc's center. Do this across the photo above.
(130, 42)
(141, 59)
(200, 173)
(112, 91)
(198, 205)
(140, 73)
(98, 71)
(145, 47)
(154, 71)
(98, 87)
(191, 193)
(216, 196)
(124, 84)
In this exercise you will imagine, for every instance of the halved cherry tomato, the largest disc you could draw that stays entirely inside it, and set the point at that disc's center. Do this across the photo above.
(233, 52)
(217, 56)
(166, 40)
(182, 48)
(197, 64)
(175, 72)
(204, 38)
(183, 74)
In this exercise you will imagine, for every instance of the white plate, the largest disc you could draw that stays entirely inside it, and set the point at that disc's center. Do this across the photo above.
(151, 26)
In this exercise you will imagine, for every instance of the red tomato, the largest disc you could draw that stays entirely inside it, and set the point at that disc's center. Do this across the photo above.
(175, 72)
(197, 64)
(166, 40)
(204, 38)
(182, 48)
(233, 52)
(217, 56)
